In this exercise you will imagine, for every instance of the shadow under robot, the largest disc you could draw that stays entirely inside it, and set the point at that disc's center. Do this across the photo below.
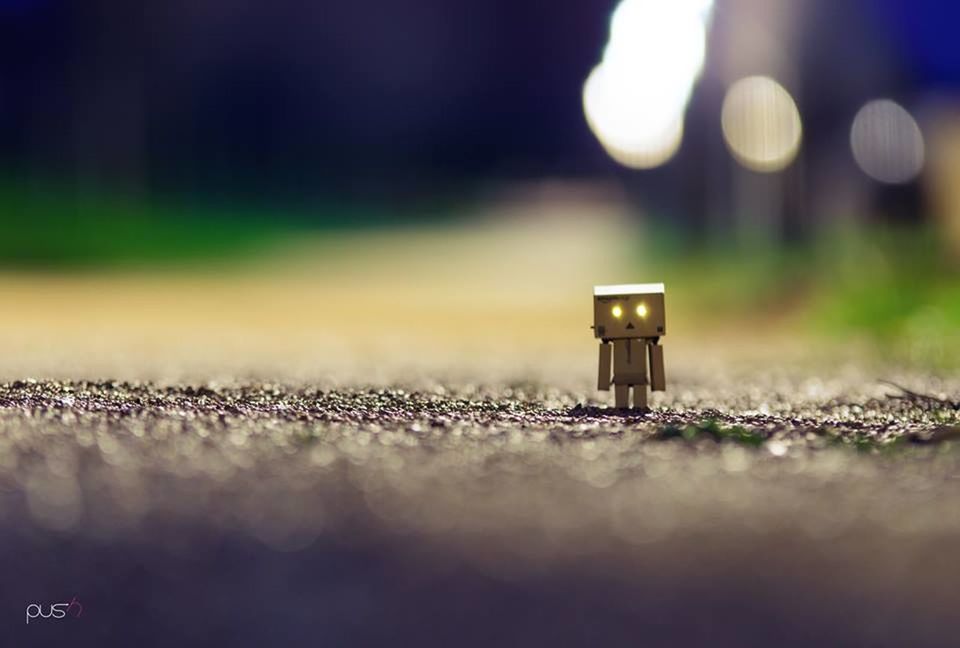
(629, 321)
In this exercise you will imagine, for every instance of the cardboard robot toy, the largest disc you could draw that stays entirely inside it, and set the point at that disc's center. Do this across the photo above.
(629, 321)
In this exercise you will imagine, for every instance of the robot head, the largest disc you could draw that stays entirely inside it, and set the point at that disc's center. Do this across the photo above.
(628, 311)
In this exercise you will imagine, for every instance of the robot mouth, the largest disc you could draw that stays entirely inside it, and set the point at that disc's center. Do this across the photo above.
(629, 325)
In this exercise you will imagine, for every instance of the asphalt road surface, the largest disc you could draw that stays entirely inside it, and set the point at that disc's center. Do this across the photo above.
(781, 510)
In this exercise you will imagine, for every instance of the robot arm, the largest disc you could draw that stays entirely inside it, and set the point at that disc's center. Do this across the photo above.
(658, 382)
(603, 381)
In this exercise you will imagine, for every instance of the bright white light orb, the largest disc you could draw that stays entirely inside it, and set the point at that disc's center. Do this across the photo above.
(642, 310)
(617, 311)
(761, 124)
(887, 142)
(634, 100)
(634, 132)
(666, 39)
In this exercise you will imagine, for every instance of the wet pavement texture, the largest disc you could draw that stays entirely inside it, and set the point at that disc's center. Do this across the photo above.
(781, 509)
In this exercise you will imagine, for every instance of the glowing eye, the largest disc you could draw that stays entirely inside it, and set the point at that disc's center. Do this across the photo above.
(642, 310)
(617, 311)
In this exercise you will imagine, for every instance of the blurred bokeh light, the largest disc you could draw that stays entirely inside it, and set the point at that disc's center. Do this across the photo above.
(628, 128)
(635, 99)
(887, 142)
(761, 124)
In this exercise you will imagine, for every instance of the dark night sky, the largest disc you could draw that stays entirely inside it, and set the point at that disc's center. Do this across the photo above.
(285, 91)
(208, 95)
